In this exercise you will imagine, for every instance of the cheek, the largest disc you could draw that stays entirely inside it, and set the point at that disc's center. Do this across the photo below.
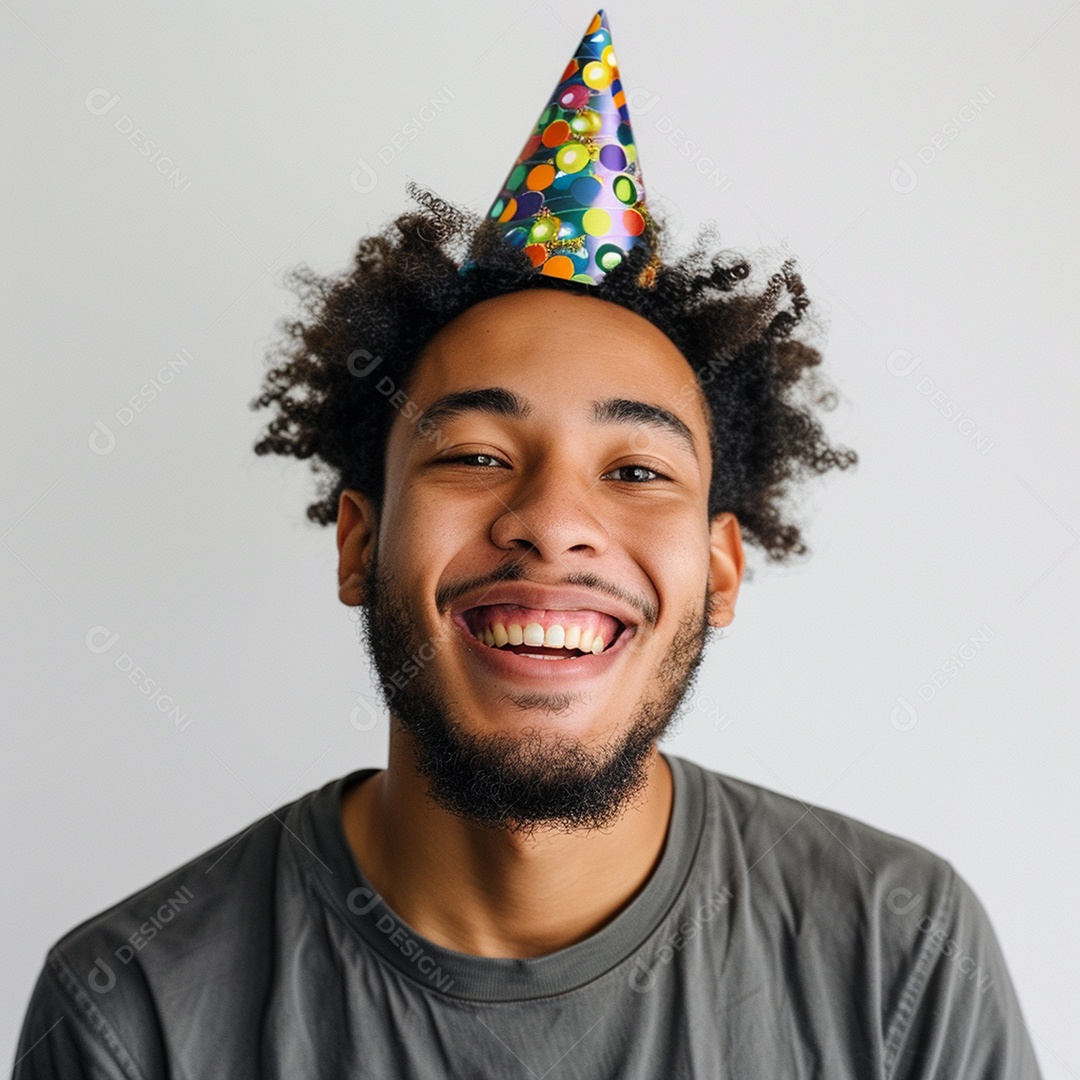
(424, 530)
(675, 560)
(676, 544)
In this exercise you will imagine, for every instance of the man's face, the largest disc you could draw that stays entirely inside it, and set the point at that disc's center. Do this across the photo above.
(541, 584)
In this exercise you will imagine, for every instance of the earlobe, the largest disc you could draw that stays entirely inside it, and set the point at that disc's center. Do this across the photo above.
(726, 564)
(357, 528)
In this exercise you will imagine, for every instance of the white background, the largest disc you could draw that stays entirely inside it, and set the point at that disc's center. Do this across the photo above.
(941, 543)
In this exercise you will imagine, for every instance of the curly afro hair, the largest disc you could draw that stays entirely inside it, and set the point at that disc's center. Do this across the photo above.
(759, 383)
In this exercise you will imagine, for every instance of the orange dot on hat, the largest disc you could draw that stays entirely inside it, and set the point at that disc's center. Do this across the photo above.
(633, 222)
(596, 75)
(556, 133)
(561, 266)
(537, 253)
(508, 210)
(540, 177)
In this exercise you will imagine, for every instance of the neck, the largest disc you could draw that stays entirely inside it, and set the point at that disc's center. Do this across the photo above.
(493, 892)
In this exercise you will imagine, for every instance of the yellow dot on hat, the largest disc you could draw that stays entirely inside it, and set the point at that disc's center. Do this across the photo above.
(596, 222)
(608, 56)
(624, 190)
(544, 229)
(596, 75)
(572, 157)
(587, 122)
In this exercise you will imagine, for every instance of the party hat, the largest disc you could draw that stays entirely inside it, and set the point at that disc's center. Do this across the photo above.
(574, 199)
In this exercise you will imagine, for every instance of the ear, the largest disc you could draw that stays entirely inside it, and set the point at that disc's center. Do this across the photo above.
(726, 564)
(357, 529)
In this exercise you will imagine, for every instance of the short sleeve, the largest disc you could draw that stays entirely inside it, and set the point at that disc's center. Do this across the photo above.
(64, 1037)
(959, 1015)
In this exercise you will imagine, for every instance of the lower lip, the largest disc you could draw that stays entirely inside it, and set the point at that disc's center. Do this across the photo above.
(548, 673)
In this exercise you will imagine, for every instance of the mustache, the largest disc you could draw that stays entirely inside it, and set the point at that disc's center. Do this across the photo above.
(515, 570)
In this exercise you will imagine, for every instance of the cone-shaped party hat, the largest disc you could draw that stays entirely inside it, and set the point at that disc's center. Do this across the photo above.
(574, 199)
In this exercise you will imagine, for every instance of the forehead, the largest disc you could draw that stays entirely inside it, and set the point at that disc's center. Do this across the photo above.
(560, 350)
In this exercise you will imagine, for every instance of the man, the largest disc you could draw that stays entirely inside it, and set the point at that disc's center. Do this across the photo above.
(542, 473)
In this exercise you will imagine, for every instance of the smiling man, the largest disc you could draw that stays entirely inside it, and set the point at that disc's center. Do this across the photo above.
(543, 443)
(545, 523)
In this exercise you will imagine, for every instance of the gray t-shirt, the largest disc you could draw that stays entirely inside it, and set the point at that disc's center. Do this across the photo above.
(774, 939)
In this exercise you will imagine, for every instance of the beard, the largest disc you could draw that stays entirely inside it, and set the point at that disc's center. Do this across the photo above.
(536, 778)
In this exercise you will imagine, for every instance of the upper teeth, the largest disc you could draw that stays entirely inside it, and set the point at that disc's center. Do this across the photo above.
(554, 637)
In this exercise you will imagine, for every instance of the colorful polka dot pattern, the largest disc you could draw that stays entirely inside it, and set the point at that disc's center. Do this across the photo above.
(574, 199)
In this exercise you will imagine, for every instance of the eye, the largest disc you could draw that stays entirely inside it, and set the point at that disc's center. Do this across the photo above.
(638, 470)
(485, 461)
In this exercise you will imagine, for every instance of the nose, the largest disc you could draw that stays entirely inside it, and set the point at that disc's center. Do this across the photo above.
(549, 513)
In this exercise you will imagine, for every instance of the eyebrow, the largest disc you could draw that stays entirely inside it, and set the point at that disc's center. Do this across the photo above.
(493, 399)
(627, 411)
(498, 401)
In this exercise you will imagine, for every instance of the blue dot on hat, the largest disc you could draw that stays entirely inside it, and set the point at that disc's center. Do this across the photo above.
(586, 189)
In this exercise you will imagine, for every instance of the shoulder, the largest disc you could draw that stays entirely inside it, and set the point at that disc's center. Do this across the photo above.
(827, 880)
(166, 943)
(832, 900)
(779, 833)
(197, 900)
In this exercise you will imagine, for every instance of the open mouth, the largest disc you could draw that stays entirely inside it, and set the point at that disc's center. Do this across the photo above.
(543, 634)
